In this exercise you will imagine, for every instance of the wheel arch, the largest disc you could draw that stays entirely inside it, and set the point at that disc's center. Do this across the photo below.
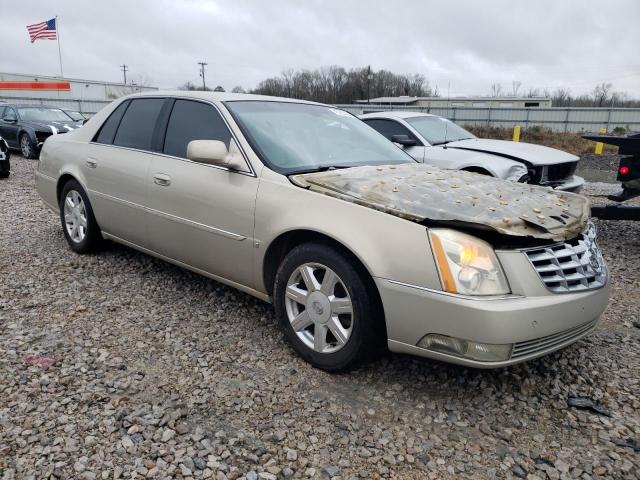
(29, 131)
(63, 179)
(478, 169)
(285, 242)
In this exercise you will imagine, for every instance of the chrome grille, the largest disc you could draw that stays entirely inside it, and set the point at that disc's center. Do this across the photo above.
(530, 347)
(571, 266)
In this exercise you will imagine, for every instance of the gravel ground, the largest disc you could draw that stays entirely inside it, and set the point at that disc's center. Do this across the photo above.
(118, 365)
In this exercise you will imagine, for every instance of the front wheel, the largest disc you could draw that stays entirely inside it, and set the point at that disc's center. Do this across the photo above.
(27, 147)
(326, 308)
(78, 223)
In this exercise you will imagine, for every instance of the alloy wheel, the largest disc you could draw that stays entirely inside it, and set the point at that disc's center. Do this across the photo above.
(25, 146)
(75, 216)
(319, 308)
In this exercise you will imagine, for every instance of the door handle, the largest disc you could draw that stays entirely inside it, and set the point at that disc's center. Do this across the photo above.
(162, 179)
(91, 163)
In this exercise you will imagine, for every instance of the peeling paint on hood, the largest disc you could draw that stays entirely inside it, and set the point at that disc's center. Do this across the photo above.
(420, 192)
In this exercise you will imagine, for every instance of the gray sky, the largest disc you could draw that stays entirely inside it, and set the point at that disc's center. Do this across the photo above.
(471, 44)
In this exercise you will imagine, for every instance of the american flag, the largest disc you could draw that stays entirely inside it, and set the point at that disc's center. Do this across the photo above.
(45, 30)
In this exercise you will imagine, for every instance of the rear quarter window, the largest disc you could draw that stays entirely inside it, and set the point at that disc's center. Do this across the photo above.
(108, 129)
(138, 123)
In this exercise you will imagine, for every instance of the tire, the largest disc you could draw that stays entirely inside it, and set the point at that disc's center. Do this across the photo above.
(6, 168)
(362, 333)
(86, 236)
(27, 148)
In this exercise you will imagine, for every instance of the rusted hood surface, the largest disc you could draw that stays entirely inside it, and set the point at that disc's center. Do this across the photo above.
(421, 192)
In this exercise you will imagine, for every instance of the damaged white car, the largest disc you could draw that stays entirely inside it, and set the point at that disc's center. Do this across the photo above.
(440, 142)
(358, 246)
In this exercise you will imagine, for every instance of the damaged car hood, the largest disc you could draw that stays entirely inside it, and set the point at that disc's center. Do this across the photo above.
(526, 152)
(422, 193)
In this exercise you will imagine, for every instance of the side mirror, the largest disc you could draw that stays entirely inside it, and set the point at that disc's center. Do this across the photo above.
(403, 140)
(9, 119)
(214, 152)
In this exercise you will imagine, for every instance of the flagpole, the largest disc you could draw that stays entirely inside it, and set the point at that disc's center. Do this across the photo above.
(59, 51)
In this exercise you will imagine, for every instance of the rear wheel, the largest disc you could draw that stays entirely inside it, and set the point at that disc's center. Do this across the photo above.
(27, 147)
(326, 308)
(78, 223)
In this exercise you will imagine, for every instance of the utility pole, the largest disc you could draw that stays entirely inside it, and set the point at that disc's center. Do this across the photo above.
(369, 77)
(202, 65)
(124, 70)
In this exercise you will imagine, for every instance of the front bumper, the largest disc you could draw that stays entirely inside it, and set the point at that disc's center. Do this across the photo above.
(573, 183)
(536, 325)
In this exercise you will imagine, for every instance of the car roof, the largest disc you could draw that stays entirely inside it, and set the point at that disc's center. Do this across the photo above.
(219, 96)
(396, 114)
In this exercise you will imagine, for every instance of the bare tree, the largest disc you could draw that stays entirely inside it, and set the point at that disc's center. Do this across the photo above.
(496, 90)
(238, 89)
(515, 86)
(141, 80)
(561, 97)
(532, 93)
(334, 84)
(601, 93)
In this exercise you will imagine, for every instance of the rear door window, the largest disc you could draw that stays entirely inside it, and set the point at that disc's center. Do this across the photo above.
(108, 129)
(191, 120)
(138, 123)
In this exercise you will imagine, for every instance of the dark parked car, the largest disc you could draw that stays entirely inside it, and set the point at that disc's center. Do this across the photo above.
(26, 127)
(5, 166)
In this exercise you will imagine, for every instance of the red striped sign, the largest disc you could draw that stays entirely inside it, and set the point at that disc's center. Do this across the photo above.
(65, 86)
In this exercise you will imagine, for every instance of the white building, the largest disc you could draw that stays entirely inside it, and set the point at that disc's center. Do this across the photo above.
(88, 96)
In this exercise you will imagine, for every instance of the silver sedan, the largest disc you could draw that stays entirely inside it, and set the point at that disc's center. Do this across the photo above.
(358, 246)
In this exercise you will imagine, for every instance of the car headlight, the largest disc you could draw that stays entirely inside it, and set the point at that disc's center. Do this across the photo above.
(466, 264)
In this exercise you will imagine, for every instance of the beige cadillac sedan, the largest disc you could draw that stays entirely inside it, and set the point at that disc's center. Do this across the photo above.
(358, 246)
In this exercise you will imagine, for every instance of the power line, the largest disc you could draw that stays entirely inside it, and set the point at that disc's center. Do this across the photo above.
(124, 69)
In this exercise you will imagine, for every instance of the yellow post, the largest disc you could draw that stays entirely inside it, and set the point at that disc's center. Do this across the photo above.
(600, 145)
(516, 133)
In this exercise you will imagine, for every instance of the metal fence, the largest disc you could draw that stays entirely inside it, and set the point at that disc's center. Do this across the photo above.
(557, 119)
(89, 106)
(571, 119)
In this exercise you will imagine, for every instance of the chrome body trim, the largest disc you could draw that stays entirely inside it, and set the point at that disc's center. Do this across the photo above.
(185, 221)
(575, 265)
(509, 296)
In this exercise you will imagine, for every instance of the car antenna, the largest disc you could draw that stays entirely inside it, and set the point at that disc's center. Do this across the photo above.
(448, 106)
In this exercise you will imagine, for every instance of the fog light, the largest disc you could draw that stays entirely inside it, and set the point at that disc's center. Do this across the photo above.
(482, 352)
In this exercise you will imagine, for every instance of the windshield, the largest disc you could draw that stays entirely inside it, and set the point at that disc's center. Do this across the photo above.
(74, 115)
(438, 130)
(297, 137)
(36, 114)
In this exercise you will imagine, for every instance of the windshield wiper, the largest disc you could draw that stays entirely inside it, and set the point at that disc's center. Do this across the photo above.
(451, 140)
(324, 168)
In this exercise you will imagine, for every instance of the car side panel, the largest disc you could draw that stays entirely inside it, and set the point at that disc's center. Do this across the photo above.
(204, 217)
(388, 246)
(118, 190)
